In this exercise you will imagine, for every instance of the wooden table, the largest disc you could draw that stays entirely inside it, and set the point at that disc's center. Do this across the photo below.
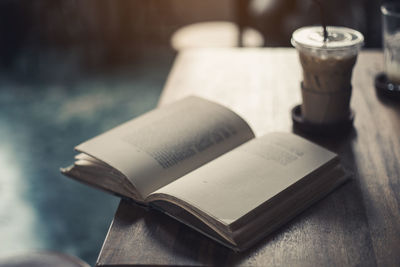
(358, 224)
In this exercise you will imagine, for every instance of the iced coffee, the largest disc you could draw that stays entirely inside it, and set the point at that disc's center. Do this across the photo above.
(327, 71)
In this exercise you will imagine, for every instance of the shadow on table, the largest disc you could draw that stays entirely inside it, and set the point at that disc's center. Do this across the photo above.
(178, 244)
(151, 237)
(389, 101)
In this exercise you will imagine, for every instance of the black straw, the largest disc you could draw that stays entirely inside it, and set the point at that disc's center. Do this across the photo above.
(321, 11)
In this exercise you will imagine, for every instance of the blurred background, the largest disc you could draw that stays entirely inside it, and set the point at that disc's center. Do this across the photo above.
(72, 69)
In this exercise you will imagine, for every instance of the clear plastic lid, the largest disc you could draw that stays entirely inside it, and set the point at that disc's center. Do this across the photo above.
(341, 41)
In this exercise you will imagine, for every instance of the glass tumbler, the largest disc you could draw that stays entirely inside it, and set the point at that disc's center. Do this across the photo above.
(391, 40)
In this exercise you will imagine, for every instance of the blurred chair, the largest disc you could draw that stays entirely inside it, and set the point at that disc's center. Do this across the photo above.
(215, 34)
(41, 259)
(220, 33)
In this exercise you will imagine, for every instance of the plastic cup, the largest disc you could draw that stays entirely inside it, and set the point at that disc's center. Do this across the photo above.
(327, 71)
(391, 40)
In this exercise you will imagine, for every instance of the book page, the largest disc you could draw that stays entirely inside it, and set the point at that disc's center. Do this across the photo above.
(236, 183)
(166, 143)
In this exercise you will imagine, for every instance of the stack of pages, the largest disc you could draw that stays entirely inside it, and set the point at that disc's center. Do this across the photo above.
(199, 162)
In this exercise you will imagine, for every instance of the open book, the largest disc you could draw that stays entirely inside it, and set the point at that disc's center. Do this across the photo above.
(199, 162)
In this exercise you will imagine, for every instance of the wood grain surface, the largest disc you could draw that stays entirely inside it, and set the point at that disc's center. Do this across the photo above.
(357, 224)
